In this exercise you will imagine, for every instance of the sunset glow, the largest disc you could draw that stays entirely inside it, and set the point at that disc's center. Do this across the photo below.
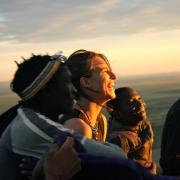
(137, 37)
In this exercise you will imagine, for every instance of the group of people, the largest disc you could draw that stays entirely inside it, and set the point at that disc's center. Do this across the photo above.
(59, 128)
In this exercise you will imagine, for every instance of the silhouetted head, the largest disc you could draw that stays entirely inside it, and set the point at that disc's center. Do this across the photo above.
(43, 83)
(128, 106)
(92, 75)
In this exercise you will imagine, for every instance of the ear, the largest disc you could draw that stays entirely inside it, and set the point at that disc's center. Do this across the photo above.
(85, 82)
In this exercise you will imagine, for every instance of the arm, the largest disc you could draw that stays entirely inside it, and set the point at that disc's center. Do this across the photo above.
(59, 162)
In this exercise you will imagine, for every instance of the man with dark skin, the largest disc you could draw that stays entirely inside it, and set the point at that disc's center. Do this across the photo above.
(130, 128)
(45, 87)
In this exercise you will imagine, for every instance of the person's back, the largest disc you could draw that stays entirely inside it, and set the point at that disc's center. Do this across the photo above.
(170, 146)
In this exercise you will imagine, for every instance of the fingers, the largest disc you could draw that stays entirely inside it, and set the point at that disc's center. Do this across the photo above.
(25, 168)
(67, 146)
(69, 142)
(62, 161)
(75, 168)
(27, 174)
(53, 148)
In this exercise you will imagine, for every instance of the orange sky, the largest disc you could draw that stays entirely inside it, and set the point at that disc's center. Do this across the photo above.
(138, 37)
(136, 54)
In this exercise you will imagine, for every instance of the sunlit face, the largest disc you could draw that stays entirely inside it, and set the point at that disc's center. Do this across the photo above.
(101, 80)
(132, 108)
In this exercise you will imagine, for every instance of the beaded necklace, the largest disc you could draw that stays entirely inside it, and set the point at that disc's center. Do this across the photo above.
(94, 128)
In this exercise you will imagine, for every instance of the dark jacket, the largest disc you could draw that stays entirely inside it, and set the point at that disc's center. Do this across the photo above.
(136, 142)
(170, 144)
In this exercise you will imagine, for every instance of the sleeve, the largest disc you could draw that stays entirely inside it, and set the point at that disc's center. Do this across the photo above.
(121, 140)
(170, 146)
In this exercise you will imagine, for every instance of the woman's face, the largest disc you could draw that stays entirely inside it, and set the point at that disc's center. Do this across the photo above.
(101, 82)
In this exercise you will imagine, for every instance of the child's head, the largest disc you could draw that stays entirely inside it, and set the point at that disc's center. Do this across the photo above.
(128, 106)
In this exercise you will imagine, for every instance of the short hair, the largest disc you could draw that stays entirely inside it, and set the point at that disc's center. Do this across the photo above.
(80, 65)
(113, 105)
(27, 72)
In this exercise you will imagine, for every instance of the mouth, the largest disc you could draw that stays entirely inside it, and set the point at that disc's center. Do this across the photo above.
(140, 111)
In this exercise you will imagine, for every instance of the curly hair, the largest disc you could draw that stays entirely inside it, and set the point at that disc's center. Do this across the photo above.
(28, 71)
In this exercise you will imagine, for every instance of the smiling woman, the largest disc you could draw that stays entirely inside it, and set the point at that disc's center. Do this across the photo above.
(94, 80)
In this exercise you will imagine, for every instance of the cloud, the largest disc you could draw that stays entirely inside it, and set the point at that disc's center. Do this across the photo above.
(48, 21)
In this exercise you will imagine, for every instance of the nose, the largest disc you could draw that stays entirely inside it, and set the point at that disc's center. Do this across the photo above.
(112, 75)
(139, 104)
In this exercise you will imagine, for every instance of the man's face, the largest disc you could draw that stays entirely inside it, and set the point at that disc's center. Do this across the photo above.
(132, 109)
(101, 81)
(64, 93)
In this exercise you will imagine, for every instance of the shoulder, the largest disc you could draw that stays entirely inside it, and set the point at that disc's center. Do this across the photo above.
(173, 115)
(65, 117)
(79, 126)
(146, 125)
(7, 117)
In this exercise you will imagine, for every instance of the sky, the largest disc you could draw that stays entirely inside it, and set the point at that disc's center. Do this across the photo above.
(139, 37)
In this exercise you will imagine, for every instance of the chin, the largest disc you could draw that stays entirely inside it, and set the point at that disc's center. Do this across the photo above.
(111, 96)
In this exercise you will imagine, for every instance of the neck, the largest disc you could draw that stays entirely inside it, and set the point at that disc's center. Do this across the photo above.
(46, 112)
(93, 96)
(90, 108)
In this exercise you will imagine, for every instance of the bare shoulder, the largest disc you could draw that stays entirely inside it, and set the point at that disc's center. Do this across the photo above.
(79, 126)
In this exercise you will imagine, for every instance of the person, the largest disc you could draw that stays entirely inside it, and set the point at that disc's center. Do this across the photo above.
(54, 159)
(93, 78)
(44, 85)
(170, 147)
(93, 166)
(130, 127)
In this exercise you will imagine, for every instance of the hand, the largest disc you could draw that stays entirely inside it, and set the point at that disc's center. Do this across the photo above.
(25, 170)
(61, 162)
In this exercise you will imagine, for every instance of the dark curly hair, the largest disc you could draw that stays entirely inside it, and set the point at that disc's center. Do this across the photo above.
(27, 72)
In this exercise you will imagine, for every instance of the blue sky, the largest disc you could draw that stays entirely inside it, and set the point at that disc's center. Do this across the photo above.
(133, 34)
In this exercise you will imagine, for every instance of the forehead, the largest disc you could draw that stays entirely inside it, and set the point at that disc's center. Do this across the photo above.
(129, 94)
(99, 62)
